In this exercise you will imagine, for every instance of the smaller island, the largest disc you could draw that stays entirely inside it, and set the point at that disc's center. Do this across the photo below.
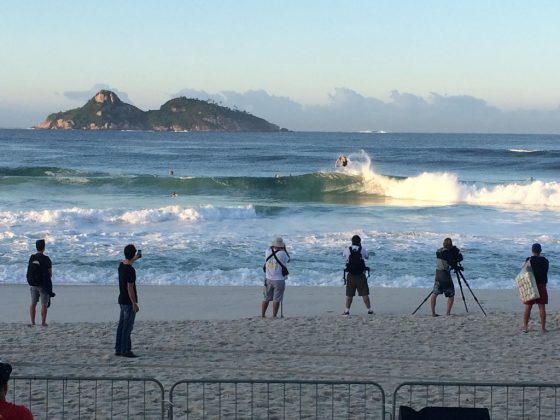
(105, 111)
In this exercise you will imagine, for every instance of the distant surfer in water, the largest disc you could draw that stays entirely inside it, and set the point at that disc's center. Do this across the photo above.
(341, 161)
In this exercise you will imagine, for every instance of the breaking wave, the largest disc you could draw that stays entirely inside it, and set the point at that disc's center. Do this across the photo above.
(358, 182)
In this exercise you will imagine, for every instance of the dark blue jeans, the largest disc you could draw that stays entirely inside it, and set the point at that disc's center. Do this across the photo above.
(124, 330)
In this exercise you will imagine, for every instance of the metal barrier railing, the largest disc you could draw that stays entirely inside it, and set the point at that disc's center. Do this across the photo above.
(61, 397)
(503, 400)
(253, 399)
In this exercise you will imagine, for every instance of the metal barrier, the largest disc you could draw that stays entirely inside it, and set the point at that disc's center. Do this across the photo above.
(503, 400)
(252, 399)
(60, 397)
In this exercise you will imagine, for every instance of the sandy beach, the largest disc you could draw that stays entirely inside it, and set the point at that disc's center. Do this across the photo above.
(215, 333)
(189, 331)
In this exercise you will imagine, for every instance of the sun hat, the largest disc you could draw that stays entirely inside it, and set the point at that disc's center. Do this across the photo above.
(278, 243)
(536, 248)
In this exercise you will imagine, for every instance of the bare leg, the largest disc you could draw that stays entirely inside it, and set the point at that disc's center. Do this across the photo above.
(264, 307)
(348, 302)
(43, 315)
(450, 301)
(433, 304)
(542, 313)
(32, 313)
(526, 316)
(275, 306)
(366, 302)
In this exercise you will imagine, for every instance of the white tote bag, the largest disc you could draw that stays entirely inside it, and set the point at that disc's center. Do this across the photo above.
(526, 283)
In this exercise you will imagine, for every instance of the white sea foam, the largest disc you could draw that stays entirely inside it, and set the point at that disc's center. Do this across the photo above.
(76, 215)
(440, 188)
(522, 151)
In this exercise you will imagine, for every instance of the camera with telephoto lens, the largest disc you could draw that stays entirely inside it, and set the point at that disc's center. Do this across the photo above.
(453, 257)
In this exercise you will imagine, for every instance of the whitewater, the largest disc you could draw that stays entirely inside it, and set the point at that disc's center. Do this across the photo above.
(204, 206)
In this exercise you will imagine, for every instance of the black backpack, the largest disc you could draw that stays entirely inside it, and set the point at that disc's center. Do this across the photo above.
(356, 263)
(34, 272)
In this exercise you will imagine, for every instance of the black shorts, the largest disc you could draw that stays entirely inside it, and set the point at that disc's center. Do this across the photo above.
(356, 282)
(444, 284)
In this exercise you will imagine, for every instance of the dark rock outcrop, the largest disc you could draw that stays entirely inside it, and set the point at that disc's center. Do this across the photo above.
(105, 111)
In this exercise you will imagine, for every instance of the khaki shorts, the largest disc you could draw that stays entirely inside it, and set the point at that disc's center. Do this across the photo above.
(38, 293)
(274, 290)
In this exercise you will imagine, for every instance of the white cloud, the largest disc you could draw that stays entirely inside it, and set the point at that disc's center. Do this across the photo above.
(348, 110)
(86, 95)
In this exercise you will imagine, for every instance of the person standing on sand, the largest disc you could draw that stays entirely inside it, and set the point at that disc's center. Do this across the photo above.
(539, 266)
(128, 302)
(9, 411)
(276, 258)
(447, 258)
(356, 279)
(41, 288)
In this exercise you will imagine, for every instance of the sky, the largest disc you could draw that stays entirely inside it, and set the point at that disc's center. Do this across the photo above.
(396, 65)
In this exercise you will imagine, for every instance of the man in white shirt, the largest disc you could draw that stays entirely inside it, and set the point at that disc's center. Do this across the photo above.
(276, 258)
(356, 279)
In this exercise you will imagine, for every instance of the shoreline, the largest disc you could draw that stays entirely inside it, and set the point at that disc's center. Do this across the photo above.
(98, 303)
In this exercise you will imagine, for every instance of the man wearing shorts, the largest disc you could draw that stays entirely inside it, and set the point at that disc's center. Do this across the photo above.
(539, 266)
(276, 258)
(447, 258)
(356, 280)
(42, 292)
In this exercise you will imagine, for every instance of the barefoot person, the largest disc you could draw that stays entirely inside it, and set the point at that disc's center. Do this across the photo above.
(539, 266)
(447, 258)
(276, 258)
(128, 302)
(9, 411)
(356, 279)
(39, 277)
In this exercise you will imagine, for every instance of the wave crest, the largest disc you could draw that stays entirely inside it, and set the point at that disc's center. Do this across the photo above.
(80, 216)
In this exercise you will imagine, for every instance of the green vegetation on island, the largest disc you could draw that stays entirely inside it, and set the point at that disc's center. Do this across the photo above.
(105, 111)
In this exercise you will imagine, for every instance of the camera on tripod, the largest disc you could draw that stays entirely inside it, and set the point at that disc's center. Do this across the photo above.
(458, 267)
(452, 257)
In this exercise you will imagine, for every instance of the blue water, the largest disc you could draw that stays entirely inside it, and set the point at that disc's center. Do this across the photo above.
(91, 193)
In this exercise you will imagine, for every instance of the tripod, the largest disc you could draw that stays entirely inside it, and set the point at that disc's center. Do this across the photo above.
(459, 273)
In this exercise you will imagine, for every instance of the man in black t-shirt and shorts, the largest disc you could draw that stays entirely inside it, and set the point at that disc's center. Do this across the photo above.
(43, 292)
(539, 267)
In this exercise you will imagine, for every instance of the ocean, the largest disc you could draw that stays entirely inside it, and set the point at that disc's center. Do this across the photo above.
(203, 207)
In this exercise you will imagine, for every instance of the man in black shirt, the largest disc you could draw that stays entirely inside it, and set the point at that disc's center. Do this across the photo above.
(539, 266)
(128, 301)
(447, 259)
(44, 291)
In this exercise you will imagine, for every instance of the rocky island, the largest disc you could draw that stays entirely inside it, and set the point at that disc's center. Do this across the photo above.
(105, 111)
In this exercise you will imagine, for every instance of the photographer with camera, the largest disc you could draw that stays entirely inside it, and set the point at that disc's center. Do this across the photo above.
(275, 271)
(355, 278)
(447, 259)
